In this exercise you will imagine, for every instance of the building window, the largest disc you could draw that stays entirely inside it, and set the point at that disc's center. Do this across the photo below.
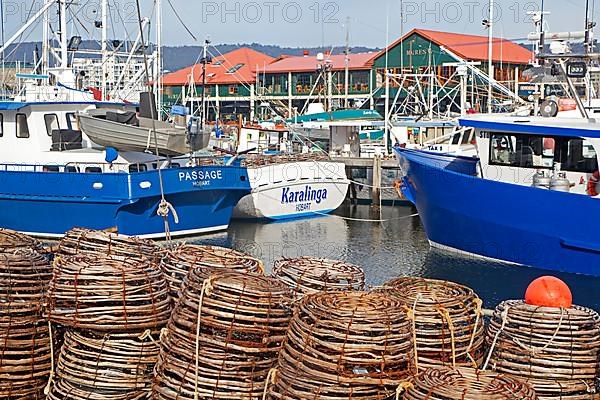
(22, 126)
(233, 89)
(51, 121)
(235, 69)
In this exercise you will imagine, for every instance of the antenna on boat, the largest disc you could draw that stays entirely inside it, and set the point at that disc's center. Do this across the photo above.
(490, 26)
(347, 64)
(205, 61)
(104, 49)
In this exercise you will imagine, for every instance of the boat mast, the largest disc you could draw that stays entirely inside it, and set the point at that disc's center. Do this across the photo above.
(64, 54)
(45, 39)
(387, 85)
(490, 55)
(159, 60)
(204, 62)
(347, 61)
(104, 48)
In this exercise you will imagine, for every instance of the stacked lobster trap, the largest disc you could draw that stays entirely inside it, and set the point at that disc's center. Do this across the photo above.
(25, 342)
(307, 275)
(179, 260)
(443, 383)
(113, 301)
(446, 319)
(556, 350)
(223, 337)
(344, 345)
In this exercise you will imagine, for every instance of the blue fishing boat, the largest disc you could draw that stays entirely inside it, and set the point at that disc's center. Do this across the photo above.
(55, 178)
(531, 198)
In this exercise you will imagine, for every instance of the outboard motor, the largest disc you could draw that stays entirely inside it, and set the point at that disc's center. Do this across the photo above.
(197, 138)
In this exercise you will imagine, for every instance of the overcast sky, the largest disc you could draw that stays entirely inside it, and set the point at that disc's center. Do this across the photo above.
(309, 23)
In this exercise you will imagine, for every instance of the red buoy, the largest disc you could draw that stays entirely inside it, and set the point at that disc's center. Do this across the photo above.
(549, 291)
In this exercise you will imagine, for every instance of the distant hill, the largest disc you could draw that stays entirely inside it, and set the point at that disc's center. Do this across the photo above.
(177, 57)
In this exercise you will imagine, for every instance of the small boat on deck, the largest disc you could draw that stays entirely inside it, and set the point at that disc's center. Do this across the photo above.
(125, 131)
(531, 199)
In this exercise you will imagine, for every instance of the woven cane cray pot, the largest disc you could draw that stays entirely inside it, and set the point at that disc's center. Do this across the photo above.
(80, 241)
(108, 294)
(177, 263)
(447, 321)
(223, 337)
(11, 240)
(557, 350)
(306, 275)
(25, 351)
(443, 383)
(344, 345)
(105, 366)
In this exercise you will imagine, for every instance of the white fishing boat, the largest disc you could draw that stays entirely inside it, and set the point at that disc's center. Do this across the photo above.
(285, 187)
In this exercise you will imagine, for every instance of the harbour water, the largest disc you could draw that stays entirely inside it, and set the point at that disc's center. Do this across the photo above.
(386, 250)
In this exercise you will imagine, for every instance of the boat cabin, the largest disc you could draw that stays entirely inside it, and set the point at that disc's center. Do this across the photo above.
(536, 151)
(46, 137)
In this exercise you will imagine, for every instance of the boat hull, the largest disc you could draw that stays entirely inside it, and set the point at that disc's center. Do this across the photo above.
(49, 204)
(512, 223)
(294, 190)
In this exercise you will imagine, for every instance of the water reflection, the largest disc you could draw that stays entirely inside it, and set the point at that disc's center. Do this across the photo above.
(386, 250)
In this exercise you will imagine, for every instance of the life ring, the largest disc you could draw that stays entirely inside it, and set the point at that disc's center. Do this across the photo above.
(592, 184)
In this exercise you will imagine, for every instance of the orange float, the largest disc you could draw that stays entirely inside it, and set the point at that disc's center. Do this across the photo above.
(549, 291)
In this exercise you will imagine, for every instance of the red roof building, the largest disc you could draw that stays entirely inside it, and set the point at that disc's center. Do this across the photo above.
(358, 61)
(471, 47)
(238, 66)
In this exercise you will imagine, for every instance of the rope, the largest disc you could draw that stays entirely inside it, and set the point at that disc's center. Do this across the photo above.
(479, 305)
(162, 207)
(403, 387)
(411, 314)
(206, 290)
(51, 379)
(504, 316)
(446, 315)
(271, 378)
(534, 351)
(365, 219)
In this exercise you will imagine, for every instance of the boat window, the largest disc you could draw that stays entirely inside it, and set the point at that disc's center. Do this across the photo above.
(50, 168)
(523, 151)
(51, 121)
(71, 168)
(72, 122)
(93, 170)
(175, 165)
(1, 124)
(578, 155)
(456, 138)
(138, 168)
(467, 137)
(22, 126)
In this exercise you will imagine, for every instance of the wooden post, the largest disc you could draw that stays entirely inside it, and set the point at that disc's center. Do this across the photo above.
(376, 189)
(352, 192)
